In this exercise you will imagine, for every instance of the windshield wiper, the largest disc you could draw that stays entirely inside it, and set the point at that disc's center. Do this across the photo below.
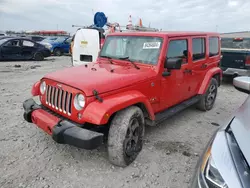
(109, 58)
(127, 58)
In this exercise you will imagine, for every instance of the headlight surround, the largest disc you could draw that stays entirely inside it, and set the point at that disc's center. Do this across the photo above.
(47, 45)
(79, 101)
(212, 175)
(42, 87)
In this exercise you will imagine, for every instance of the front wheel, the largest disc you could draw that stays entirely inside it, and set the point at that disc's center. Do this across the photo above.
(125, 136)
(57, 52)
(38, 56)
(207, 100)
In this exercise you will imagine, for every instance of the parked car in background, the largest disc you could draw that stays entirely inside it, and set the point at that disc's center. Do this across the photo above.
(226, 159)
(36, 38)
(22, 49)
(235, 56)
(2, 34)
(4, 37)
(58, 45)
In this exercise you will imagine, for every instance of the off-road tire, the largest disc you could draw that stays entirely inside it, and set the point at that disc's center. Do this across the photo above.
(207, 100)
(57, 52)
(129, 120)
(38, 56)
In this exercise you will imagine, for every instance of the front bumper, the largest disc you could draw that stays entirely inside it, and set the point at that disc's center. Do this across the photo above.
(237, 72)
(62, 131)
(47, 53)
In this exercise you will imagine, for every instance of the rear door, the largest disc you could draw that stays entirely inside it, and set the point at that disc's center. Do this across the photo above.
(28, 49)
(197, 65)
(86, 46)
(11, 49)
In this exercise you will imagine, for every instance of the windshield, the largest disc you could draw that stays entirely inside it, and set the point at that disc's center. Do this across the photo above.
(135, 48)
(60, 39)
(49, 39)
(3, 41)
(237, 44)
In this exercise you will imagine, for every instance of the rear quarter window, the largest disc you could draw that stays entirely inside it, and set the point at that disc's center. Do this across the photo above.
(213, 46)
(28, 43)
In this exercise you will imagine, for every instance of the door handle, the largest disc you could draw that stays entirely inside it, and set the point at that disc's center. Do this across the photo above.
(204, 66)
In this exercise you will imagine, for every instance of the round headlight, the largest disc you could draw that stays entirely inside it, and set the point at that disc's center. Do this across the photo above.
(79, 101)
(42, 87)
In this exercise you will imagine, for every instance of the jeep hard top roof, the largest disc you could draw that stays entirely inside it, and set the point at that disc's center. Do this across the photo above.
(165, 33)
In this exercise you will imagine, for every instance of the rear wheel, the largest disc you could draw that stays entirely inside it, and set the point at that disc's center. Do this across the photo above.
(207, 101)
(38, 56)
(125, 136)
(57, 52)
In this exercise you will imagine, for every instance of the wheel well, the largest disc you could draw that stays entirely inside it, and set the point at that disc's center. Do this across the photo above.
(217, 77)
(57, 48)
(140, 105)
(143, 108)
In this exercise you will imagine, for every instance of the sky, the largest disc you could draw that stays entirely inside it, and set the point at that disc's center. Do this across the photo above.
(188, 15)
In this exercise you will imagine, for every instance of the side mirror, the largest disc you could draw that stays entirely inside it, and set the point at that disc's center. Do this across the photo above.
(173, 63)
(242, 83)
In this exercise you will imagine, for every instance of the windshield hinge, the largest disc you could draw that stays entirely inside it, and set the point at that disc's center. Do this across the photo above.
(97, 96)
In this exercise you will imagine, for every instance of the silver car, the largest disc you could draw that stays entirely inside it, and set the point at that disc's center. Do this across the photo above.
(226, 159)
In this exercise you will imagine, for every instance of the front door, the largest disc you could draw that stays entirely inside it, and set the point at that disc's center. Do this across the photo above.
(174, 87)
(66, 45)
(28, 49)
(11, 49)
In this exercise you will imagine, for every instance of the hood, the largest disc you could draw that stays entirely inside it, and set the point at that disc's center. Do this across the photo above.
(103, 77)
(241, 128)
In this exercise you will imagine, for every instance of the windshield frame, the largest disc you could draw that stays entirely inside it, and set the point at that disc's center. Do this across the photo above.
(141, 62)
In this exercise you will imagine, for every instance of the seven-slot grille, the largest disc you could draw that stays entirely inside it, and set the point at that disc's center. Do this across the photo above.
(59, 99)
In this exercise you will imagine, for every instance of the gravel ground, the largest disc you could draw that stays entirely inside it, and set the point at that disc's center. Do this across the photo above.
(30, 158)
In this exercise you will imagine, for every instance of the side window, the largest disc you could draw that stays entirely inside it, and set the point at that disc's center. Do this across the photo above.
(213, 46)
(198, 48)
(13, 43)
(28, 43)
(178, 49)
(68, 41)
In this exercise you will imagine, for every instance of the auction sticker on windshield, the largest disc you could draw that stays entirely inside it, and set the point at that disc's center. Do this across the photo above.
(151, 45)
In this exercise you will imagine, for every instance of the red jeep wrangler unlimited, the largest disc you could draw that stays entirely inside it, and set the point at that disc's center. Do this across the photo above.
(138, 79)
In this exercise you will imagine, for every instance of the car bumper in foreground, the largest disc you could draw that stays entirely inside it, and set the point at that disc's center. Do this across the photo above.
(62, 131)
(216, 167)
(236, 72)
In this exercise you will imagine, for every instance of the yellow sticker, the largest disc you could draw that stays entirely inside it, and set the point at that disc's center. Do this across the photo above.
(84, 43)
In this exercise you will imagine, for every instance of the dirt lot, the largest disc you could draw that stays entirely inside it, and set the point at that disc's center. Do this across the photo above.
(30, 158)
